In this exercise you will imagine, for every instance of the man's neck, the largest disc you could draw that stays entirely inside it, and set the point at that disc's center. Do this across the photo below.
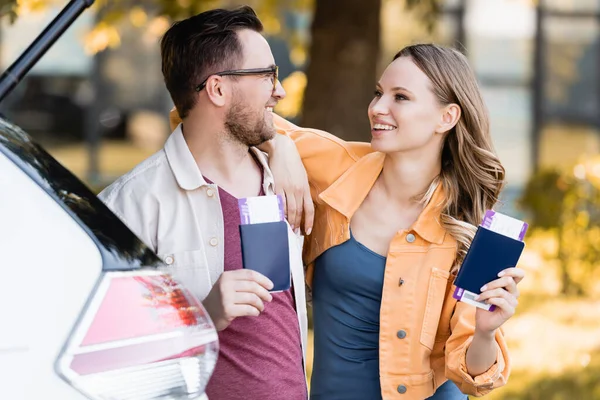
(224, 161)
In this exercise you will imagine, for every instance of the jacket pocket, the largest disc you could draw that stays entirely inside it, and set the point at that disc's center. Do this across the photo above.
(433, 308)
(414, 386)
(189, 268)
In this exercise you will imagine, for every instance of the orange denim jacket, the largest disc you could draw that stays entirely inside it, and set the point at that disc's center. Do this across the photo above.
(424, 332)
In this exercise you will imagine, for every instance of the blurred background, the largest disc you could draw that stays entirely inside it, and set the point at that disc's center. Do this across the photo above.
(97, 103)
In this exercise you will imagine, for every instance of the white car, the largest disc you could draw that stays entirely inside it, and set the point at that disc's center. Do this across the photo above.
(85, 311)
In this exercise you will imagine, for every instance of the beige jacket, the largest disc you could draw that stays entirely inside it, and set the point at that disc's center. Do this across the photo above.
(168, 204)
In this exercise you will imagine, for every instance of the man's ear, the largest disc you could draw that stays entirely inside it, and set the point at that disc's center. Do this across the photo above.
(174, 119)
(449, 118)
(216, 90)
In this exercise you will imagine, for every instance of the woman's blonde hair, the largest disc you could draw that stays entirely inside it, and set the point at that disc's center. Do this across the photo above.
(472, 175)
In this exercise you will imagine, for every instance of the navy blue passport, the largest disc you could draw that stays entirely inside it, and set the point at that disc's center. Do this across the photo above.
(490, 253)
(265, 249)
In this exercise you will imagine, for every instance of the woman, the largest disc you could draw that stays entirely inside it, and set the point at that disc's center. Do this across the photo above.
(393, 222)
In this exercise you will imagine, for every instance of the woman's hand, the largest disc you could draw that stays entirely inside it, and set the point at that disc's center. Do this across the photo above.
(291, 181)
(504, 294)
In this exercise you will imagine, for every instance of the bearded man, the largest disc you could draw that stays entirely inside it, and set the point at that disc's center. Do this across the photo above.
(183, 200)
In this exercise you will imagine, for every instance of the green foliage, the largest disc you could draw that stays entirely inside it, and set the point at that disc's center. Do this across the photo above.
(428, 11)
(8, 9)
(543, 197)
(179, 9)
(574, 384)
(569, 204)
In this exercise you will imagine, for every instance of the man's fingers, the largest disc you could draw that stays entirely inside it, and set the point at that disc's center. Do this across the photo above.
(243, 310)
(253, 288)
(251, 299)
(251, 275)
(309, 212)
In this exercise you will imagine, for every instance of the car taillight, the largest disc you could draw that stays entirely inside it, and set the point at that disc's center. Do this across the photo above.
(140, 337)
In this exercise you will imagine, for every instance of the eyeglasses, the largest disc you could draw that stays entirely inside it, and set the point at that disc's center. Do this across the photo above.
(274, 71)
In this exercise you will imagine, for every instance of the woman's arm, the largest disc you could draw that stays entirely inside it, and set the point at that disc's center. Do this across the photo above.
(325, 158)
(477, 358)
(503, 293)
(291, 181)
(303, 170)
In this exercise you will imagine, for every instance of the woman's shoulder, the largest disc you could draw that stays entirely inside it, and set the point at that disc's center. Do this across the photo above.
(321, 140)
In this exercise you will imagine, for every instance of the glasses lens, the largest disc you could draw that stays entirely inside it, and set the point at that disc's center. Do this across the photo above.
(275, 77)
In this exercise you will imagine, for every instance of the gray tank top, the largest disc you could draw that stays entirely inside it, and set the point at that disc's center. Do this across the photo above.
(347, 289)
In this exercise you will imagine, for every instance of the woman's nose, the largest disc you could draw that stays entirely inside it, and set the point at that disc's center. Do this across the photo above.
(380, 107)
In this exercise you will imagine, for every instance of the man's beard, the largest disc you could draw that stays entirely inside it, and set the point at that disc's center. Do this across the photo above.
(246, 126)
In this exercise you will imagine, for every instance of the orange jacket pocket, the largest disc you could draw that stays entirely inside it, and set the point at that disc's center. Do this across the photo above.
(436, 294)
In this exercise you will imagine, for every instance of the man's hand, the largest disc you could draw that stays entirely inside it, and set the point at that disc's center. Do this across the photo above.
(238, 293)
(291, 181)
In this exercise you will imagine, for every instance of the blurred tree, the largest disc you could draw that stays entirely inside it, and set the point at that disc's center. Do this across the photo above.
(342, 68)
(568, 203)
(343, 63)
(342, 58)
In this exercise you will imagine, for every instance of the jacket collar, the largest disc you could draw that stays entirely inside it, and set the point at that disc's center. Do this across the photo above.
(186, 171)
(349, 191)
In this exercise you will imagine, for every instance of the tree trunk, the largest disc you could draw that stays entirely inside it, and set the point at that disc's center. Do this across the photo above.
(342, 69)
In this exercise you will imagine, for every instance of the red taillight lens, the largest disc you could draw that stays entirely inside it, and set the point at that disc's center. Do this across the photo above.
(141, 336)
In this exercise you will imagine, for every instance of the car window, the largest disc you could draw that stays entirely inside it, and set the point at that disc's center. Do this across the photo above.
(120, 248)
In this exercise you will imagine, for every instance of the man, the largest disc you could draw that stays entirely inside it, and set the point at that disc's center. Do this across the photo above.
(182, 201)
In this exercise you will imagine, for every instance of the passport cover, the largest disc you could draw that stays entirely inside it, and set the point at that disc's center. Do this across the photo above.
(265, 249)
(490, 253)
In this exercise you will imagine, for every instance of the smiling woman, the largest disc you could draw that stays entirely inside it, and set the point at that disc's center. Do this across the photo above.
(392, 223)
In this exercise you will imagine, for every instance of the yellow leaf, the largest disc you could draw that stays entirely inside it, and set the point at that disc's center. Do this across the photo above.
(271, 24)
(100, 38)
(29, 6)
(138, 17)
(298, 55)
(158, 26)
(583, 219)
(294, 86)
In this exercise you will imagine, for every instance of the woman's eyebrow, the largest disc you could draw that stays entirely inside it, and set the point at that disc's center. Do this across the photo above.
(396, 88)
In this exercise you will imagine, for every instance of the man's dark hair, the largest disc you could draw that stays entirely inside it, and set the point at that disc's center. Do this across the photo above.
(202, 45)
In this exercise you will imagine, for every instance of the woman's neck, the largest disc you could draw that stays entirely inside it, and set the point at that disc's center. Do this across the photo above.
(406, 176)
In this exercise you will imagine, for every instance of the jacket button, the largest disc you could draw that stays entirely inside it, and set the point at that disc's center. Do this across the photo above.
(210, 192)
(169, 260)
(410, 238)
(214, 241)
(401, 389)
(401, 334)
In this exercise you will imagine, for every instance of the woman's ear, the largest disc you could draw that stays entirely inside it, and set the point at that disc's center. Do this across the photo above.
(215, 90)
(449, 118)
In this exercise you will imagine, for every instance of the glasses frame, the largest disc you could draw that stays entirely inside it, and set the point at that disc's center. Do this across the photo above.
(274, 70)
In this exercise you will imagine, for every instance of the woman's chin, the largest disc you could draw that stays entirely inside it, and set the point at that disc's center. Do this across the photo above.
(381, 144)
